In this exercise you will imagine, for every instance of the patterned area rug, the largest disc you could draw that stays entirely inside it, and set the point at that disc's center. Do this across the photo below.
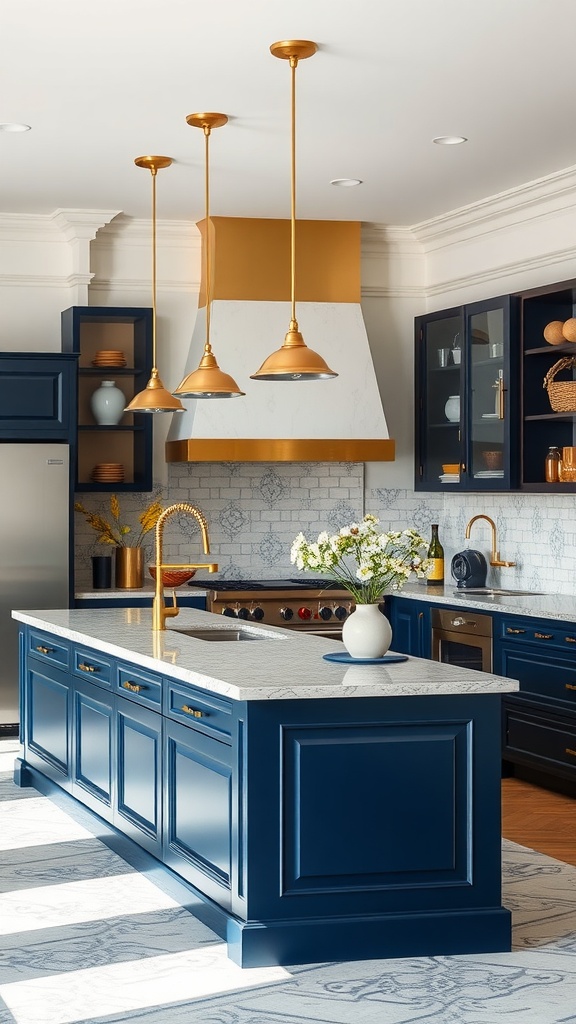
(85, 937)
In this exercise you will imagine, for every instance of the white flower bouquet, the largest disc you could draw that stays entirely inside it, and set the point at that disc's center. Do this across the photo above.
(362, 560)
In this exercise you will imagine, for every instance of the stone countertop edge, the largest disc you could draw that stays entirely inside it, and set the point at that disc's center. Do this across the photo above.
(282, 665)
(136, 594)
(541, 606)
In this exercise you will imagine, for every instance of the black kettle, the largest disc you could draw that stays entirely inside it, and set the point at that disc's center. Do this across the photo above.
(469, 569)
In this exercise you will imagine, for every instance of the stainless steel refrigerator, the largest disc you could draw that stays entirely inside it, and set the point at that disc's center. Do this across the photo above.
(34, 547)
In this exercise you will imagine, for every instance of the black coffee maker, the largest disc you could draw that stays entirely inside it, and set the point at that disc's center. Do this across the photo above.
(469, 569)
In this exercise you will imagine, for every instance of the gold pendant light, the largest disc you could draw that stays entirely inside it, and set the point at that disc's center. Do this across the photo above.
(294, 360)
(155, 397)
(208, 381)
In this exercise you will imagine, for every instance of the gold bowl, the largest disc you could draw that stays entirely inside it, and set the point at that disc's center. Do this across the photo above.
(451, 467)
(173, 577)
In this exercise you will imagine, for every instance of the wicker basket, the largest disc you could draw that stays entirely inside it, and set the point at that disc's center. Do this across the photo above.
(562, 394)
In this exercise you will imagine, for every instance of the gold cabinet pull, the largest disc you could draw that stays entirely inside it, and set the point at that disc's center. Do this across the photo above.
(544, 636)
(192, 711)
(133, 687)
(45, 650)
(570, 686)
(87, 668)
(570, 751)
(570, 639)
(510, 630)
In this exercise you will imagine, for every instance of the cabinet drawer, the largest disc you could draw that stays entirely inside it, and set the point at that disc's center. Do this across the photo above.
(48, 648)
(541, 739)
(202, 710)
(558, 635)
(141, 687)
(549, 676)
(92, 665)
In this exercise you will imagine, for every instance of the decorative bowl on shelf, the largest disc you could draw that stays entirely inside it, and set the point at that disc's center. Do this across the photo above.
(451, 467)
(173, 577)
(493, 460)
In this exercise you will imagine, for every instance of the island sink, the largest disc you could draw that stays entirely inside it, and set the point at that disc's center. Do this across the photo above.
(221, 634)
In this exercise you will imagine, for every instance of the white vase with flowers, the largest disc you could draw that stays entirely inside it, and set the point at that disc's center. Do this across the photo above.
(367, 563)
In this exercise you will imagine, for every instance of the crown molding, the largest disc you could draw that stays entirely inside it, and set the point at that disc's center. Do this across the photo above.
(138, 232)
(529, 201)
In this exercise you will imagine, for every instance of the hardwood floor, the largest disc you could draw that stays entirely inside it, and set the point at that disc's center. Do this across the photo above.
(539, 819)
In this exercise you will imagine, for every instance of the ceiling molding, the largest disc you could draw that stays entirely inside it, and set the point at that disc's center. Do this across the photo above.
(529, 201)
(138, 232)
(41, 280)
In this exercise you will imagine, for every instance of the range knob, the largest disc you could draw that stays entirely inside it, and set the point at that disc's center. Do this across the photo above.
(340, 612)
(286, 614)
(230, 612)
(258, 613)
(304, 613)
(243, 613)
(325, 612)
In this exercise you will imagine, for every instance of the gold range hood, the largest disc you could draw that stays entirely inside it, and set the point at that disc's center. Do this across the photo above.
(337, 420)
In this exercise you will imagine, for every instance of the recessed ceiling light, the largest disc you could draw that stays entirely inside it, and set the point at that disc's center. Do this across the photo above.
(14, 126)
(449, 140)
(346, 182)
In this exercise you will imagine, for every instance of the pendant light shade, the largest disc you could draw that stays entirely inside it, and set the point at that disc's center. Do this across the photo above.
(294, 360)
(154, 397)
(208, 381)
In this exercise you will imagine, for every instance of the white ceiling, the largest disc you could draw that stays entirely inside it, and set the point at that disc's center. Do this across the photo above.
(104, 81)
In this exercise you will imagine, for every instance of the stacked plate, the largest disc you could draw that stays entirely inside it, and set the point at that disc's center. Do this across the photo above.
(109, 357)
(108, 473)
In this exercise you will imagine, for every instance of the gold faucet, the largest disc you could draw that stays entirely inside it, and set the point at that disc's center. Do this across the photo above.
(495, 556)
(159, 610)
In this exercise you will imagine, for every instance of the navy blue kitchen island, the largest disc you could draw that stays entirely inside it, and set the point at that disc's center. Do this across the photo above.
(324, 811)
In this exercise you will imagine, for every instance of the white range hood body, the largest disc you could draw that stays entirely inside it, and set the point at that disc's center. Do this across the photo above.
(243, 333)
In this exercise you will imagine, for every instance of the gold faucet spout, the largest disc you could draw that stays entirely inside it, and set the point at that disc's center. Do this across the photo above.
(495, 555)
(160, 612)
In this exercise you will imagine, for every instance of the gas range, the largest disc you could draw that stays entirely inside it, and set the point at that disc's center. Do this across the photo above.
(308, 605)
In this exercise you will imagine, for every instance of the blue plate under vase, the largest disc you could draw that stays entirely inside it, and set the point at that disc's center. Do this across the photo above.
(347, 659)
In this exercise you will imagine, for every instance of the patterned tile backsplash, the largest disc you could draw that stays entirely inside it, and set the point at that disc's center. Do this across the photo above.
(255, 510)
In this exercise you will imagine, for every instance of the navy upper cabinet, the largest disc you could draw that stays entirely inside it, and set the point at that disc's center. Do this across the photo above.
(37, 396)
(467, 397)
(112, 343)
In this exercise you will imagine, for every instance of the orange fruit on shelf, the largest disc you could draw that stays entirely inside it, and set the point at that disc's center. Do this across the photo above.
(553, 332)
(569, 329)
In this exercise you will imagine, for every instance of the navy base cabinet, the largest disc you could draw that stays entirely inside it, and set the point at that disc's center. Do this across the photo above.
(335, 829)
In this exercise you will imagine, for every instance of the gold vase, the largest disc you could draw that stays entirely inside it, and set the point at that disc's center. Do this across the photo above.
(129, 568)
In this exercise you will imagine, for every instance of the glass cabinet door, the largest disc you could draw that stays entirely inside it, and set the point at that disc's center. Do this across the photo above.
(440, 343)
(467, 401)
(491, 399)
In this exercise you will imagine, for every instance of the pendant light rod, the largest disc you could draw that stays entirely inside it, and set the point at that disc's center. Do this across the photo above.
(155, 397)
(294, 360)
(208, 381)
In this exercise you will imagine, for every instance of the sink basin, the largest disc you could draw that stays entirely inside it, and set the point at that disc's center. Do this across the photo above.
(223, 635)
(495, 592)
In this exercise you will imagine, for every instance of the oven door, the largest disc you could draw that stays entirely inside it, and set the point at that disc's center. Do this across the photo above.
(463, 639)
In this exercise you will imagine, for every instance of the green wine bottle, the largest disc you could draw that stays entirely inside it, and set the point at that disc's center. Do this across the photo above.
(435, 575)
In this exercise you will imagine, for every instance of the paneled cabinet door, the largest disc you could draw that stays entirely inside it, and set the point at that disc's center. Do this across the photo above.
(47, 721)
(410, 621)
(37, 396)
(466, 402)
(93, 738)
(197, 808)
(138, 810)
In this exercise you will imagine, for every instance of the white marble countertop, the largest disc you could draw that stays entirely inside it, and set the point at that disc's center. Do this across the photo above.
(282, 665)
(138, 594)
(543, 606)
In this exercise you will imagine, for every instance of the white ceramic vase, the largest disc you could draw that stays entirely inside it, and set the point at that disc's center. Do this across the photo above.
(367, 633)
(452, 408)
(107, 404)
